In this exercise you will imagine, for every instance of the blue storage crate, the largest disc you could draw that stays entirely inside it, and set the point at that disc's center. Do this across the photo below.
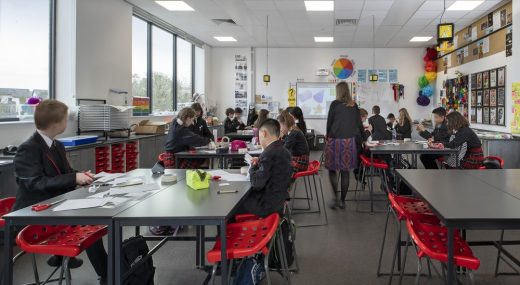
(78, 140)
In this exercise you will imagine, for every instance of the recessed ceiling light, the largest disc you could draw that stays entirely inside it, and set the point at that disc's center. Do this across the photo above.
(464, 5)
(324, 39)
(175, 5)
(319, 5)
(420, 39)
(225, 39)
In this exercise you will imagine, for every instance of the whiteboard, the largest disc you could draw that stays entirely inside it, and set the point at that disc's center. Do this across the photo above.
(381, 94)
(314, 98)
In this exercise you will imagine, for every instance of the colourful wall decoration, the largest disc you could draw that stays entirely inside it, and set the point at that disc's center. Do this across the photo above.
(426, 81)
(515, 120)
(342, 68)
(142, 106)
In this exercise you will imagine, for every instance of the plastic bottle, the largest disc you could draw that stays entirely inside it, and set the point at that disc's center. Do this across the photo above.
(394, 135)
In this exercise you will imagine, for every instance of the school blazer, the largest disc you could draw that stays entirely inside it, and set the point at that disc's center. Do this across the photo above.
(41, 174)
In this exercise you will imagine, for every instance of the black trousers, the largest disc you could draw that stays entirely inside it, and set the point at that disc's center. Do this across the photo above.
(428, 160)
(98, 258)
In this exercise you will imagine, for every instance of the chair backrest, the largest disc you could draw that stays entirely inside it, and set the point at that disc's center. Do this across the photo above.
(492, 162)
(6, 205)
(314, 166)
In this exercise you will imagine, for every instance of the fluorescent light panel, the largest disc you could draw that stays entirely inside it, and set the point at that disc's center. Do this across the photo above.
(464, 5)
(319, 5)
(175, 5)
(225, 39)
(324, 39)
(420, 39)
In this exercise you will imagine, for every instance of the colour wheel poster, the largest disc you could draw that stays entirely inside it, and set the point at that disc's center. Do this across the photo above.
(342, 68)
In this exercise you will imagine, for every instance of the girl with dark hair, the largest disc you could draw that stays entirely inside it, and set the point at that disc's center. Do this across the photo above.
(262, 116)
(228, 122)
(200, 127)
(294, 141)
(297, 113)
(404, 125)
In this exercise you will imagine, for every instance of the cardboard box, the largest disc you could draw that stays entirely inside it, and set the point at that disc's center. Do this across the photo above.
(147, 127)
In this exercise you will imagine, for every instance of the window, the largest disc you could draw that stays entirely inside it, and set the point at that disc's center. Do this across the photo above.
(199, 70)
(162, 67)
(25, 29)
(184, 75)
(139, 57)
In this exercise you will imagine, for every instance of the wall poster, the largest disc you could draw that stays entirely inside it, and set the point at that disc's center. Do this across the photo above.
(241, 82)
(490, 101)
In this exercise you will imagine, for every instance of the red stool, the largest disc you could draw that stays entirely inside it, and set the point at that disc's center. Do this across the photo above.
(248, 238)
(491, 160)
(377, 167)
(312, 172)
(167, 159)
(403, 208)
(6, 204)
(431, 242)
(63, 240)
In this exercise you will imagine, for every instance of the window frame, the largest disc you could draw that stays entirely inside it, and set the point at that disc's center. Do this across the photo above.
(149, 58)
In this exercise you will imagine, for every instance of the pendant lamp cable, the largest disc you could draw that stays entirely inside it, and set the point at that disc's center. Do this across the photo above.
(267, 43)
(373, 42)
(443, 11)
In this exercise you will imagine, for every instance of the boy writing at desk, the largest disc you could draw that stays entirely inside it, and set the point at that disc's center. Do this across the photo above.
(271, 174)
(43, 172)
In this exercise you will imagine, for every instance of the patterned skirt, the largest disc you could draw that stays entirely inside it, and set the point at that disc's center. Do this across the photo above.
(473, 159)
(300, 163)
(341, 154)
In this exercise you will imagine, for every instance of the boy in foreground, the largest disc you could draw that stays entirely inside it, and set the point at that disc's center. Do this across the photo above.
(43, 172)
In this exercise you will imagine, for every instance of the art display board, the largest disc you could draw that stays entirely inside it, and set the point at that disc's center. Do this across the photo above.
(241, 81)
(488, 97)
(515, 120)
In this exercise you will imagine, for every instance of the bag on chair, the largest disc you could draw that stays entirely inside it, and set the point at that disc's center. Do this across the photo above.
(134, 249)
(288, 235)
(250, 272)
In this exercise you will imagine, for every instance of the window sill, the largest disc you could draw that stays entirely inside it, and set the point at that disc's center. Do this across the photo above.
(16, 123)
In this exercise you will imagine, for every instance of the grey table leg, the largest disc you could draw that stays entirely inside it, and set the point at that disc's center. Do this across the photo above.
(110, 253)
(176, 163)
(202, 246)
(8, 254)
(451, 265)
(197, 247)
(223, 256)
(117, 238)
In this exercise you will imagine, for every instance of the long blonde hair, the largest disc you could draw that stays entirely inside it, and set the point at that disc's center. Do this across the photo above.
(403, 114)
(343, 94)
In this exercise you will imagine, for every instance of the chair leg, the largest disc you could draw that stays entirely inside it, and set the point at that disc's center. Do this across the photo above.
(230, 269)
(62, 271)
(66, 269)
(214, 273)
(471, 277)
(419, 269)
(35, 270)
(404, 260)
(499, 252)
(383, 243)
(285, 265)
(397, 251)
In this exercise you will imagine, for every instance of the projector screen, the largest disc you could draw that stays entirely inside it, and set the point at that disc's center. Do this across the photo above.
(315, 98)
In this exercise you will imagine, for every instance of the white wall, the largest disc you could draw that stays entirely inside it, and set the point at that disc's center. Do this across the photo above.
(288, 64)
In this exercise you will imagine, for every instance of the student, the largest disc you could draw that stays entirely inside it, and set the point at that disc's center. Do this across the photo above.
(368, 129)
(228, 122)
(43, 172)
(390, 121)
(262, 116)
(294, 141)
(378, 124)
(200, 127)
(404, 126)
(237, 120)
(439, 134)
(465, 139)
(271, 174)
(297, 113)
(181, 138)
(341, 151)
(252, 116)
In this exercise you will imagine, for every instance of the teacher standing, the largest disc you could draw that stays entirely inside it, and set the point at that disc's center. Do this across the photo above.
(341, 152)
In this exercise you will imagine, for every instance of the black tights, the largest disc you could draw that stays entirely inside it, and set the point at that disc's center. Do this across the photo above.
(345, 180)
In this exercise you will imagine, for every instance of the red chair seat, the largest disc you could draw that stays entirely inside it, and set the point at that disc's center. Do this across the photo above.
(378, 163)
(432, 241)
(497, 158)
(59, 240)
(412, 209)
(245, 217)
(167, 159)
(312, 169)
(6, 205)
(246, 238)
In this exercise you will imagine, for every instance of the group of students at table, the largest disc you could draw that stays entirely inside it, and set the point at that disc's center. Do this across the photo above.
(346, 134)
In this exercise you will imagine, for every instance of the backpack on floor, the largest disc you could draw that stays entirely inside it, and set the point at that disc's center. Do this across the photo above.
(289, 235)
(251, 272)
(135, 249)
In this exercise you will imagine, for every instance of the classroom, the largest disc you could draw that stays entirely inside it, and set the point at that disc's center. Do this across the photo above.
(253, 142)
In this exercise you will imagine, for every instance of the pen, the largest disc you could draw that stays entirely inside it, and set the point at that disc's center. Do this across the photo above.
(89, 174)
(227, 191)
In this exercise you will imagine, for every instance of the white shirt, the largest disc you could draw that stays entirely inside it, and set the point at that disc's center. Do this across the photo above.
(47, 140)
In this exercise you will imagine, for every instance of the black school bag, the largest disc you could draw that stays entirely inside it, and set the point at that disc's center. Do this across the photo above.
(134, 249)
(289, 235)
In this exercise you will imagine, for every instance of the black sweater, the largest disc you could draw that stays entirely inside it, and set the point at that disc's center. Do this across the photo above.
(379, 131)
(237, 125)
(200, 127)
(404, 131)
(228, 126)
(464, 135)
(296, 143)
(270, 181)
(344, 121)
(181, 138)
(41, 172)
(302, 126)
(439, 134)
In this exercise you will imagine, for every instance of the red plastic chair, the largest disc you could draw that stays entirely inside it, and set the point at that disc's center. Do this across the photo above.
(378, 166)
(63, 240)
(309, 180)
(167, 159)
(431, 242)
(6, 205)
(495, 158)
(246, 239)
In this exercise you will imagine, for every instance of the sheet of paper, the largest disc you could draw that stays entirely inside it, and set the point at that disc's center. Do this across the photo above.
(99, 195)
(134, 189)
(106, 177)
(256, 151)
(224, 175)
(210, 151)
(112, 202)
(75, 204)
(248, 158)
(127, 181)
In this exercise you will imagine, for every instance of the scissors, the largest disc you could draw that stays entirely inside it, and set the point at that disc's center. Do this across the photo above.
(41, 207)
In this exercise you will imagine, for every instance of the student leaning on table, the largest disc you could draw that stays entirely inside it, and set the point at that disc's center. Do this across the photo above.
(42, 172)
(466, 141)
(440, 134)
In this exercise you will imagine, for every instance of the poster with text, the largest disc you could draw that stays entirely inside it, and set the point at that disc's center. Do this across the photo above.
(515, 120)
